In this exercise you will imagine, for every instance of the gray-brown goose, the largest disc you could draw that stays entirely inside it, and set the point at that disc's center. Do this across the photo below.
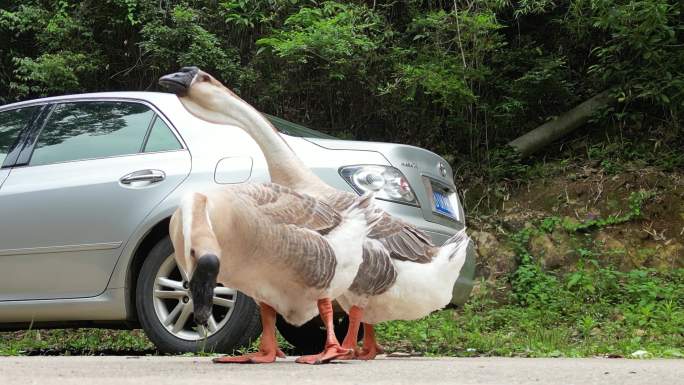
(288, 251)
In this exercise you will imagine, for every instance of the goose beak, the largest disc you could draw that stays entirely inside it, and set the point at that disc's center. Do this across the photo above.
(202, 287)
(179, 82)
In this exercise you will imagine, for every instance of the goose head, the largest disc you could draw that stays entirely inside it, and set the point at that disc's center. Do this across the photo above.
(203, 281)
(201, 255)
(205, 97)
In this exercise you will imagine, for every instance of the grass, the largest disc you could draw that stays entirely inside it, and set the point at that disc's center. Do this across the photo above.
(88, 341)
(75, 342)
(601, 313)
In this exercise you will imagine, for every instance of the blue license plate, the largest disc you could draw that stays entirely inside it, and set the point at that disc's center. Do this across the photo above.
(443, 204)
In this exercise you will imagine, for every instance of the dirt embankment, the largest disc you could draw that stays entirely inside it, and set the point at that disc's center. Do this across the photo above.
(653, 237)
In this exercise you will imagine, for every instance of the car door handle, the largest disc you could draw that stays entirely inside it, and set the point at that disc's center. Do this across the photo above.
(150, 176)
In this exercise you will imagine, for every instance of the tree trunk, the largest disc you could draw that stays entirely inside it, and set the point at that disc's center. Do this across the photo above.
(553, 130)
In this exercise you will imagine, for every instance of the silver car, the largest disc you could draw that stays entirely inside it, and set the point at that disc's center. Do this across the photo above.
(88, 184)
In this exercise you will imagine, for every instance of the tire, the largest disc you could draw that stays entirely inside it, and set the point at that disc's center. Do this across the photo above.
(162, 294)
(310, 337)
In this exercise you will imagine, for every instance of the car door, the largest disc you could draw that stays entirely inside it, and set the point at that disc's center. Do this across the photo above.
(88, 177)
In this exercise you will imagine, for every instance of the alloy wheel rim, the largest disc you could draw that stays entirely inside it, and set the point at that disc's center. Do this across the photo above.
(174, 308)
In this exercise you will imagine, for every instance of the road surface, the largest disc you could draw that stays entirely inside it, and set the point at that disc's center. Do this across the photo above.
(394, 371)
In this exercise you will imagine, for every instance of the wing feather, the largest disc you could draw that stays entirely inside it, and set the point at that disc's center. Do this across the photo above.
(303, 252)
(376, 273)
(404, 241)
(286, 206)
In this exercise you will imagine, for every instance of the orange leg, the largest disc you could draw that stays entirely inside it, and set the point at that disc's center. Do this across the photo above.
(332, 348)
(370, 345)
(268, 347)
(350, 340)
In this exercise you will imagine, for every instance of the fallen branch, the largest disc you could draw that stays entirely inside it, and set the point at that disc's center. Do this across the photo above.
(553, 130)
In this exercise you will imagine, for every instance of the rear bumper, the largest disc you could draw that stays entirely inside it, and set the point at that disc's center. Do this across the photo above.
(466, 279)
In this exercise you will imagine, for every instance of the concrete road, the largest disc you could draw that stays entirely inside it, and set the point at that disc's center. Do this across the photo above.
(395, 371)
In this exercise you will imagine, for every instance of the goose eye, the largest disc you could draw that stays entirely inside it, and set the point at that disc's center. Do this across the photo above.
(192, 253)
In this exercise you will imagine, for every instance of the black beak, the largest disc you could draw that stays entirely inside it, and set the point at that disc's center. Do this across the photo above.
(179, 82)
(202, 287)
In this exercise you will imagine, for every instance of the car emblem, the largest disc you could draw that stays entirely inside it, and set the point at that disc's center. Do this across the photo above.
(442, 169)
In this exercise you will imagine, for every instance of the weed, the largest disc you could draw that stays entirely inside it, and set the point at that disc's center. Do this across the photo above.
(75, 341)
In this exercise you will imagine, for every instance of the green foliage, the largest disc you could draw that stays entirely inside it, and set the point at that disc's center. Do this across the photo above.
(549, 224)
(74, 341)
(594, 311)
(460, 78)
(52, 73)
(183, 41)
(335, 38)
(505, 162)
(613, 156)
(637, 48)
(533, 287)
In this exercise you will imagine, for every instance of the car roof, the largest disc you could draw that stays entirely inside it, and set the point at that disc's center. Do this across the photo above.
(159, 98)
(134, 95)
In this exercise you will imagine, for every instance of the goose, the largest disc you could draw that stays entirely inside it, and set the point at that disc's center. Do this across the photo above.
(288, 251)
(403, 275)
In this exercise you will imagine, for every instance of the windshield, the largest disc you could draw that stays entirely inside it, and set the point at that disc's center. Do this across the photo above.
(294, 129)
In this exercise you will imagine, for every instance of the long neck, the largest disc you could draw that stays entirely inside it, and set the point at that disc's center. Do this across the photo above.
(283, 164)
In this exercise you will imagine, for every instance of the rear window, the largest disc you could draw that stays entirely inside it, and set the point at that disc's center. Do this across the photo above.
(161, 138)
(294, 129)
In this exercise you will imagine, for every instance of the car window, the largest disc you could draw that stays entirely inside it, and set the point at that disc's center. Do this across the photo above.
(86, 130)
(161, 138)
(294, 129)
(11, 124)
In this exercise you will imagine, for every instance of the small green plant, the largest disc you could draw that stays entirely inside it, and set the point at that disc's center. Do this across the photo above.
(505, 162)
(74, 341)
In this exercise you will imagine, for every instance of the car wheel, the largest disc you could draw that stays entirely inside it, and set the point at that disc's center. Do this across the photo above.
(310, 337)
(165, 309)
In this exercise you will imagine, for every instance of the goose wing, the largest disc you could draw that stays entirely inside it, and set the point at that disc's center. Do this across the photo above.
(306, 253)
(286, 206)
(404, 241)
(376, 273)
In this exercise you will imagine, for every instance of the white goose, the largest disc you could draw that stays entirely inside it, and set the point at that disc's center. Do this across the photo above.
(288, 251)
(403, 275)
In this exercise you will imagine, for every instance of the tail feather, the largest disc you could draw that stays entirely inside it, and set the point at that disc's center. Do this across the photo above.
(459, 237)
(456, 245)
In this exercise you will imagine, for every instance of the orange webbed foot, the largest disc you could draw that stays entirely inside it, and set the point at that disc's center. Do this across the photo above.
(347, 357)
(252, 358)
(370, 353)
(330, 353)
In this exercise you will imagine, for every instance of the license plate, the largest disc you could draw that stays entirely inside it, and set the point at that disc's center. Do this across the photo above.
(443, 204)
